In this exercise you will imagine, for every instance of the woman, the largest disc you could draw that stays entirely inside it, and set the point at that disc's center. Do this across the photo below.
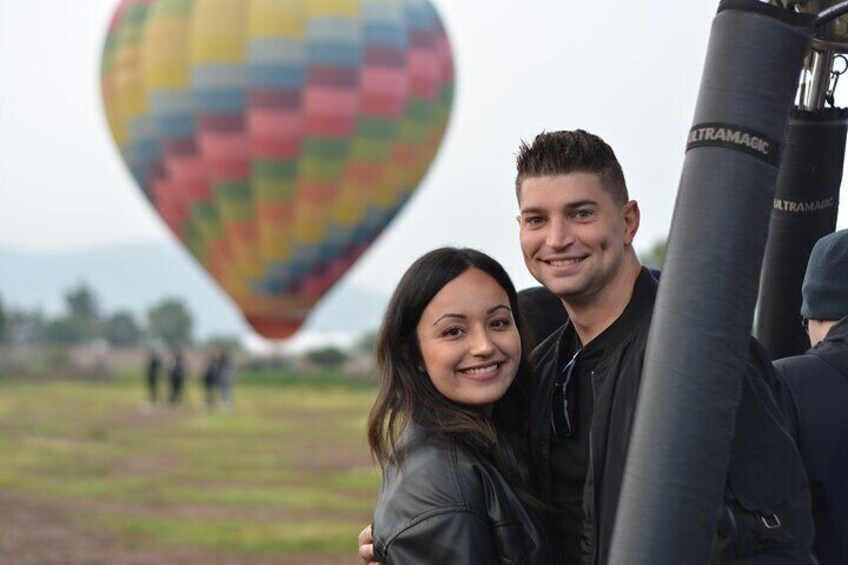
(446, 426)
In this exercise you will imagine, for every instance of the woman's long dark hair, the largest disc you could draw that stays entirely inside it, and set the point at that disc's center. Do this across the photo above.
(406, 393)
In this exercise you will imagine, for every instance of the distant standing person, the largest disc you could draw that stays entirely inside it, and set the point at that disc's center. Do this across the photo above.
(154, 363)
(211, 380)
(177, 378)
(226, 375)
(816, 403)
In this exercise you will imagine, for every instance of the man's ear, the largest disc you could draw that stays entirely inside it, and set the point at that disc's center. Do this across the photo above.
(518, 219)
(631, 221)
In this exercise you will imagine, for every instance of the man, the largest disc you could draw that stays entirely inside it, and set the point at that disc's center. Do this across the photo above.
(816, 403)
(577, 226)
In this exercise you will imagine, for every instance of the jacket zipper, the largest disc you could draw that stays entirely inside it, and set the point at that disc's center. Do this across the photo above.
(595, 532)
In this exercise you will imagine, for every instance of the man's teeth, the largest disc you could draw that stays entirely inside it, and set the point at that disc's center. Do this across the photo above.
(565, 262)
(480, 370)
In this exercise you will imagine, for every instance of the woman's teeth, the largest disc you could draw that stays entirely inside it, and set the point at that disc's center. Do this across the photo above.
(480, 370)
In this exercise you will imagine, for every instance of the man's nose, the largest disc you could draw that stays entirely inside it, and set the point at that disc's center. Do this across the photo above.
(558, 235)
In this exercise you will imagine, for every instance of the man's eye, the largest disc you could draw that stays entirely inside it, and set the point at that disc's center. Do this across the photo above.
(582, 214)
(533, 220)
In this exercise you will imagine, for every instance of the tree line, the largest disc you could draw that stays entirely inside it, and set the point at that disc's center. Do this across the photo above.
(168, 321)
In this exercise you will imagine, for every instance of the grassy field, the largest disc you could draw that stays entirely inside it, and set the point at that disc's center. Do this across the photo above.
(87, 475)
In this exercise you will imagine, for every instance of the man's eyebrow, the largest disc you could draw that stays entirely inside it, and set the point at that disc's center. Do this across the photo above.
(530, 210)
(579, 203)
(567, 206)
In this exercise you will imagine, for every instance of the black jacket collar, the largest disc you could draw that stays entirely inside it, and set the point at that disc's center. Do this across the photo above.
(839, 332)
(641, 302)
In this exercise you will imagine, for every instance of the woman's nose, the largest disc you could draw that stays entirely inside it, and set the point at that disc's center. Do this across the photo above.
(482, 344)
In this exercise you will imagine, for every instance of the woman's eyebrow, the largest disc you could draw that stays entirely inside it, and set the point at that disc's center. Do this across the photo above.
(450, 315)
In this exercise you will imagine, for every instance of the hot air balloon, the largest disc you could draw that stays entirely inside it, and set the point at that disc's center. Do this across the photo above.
(277, 138)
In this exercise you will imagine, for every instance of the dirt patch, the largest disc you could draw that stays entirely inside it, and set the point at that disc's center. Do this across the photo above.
(37, 532)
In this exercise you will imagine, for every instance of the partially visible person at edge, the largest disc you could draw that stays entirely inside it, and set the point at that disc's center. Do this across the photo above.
(816, 403)
(446, 424)
(577, 226)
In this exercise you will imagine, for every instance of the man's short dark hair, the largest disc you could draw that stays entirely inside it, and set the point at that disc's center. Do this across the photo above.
(563, 152)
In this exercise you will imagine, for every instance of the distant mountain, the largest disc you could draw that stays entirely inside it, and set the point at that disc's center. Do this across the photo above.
(135, 276)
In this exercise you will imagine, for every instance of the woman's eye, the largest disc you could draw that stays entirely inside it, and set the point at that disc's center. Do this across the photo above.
(501, 324)
(452, 332)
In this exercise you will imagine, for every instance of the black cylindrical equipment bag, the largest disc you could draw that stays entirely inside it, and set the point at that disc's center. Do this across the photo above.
(679, 450)
(805, 209)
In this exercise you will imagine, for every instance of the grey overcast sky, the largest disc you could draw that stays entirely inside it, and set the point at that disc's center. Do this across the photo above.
(629, 71)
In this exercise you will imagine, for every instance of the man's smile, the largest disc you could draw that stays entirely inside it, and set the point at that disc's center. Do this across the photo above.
(566, 262)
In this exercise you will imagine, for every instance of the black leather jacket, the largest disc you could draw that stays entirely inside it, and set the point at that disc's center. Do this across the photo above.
(761, 448)
(445, 506)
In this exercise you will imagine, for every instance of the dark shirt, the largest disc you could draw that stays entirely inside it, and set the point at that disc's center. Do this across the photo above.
(570, 455)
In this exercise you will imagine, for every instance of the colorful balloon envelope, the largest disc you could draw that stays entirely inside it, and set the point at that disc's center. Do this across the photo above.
(277, 138)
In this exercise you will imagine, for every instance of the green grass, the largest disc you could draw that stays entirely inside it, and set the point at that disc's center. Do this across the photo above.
(279, 537)
(287, 471)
